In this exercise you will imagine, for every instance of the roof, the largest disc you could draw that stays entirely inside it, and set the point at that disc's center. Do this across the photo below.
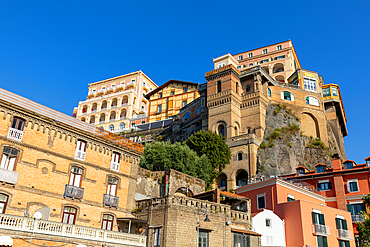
(166, 84)
(129, 74)
(245, 231)
(229, 194)
(263, 47)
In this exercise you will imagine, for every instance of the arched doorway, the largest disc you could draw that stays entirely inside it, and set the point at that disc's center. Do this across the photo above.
(183, 191)
(241, 178)
(222, 182)
(309, 125)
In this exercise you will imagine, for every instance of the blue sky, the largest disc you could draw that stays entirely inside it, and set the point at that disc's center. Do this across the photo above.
(51, 50)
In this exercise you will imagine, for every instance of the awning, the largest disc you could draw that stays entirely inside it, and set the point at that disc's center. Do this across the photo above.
(245, 231)
(6, 241)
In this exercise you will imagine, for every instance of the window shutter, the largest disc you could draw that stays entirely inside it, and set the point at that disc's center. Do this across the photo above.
(292, 97)
(349, 208)
(321, 219)
(282, 95)
(325, 242)
(348, 188)
(337, 221)
(344, 224)
(363, 207)
(330, 185)
(314, 219)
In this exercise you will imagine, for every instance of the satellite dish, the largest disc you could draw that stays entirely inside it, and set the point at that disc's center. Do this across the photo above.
(37, 215)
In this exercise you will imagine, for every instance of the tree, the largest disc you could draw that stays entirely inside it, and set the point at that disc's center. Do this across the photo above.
(160, 156)
(363, 228)
(214, 147)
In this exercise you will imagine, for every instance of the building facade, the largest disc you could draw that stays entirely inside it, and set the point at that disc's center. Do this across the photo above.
(118, 103)
(166, 100)
(81, 179)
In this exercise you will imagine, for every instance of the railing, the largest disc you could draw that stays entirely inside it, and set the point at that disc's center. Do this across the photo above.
(80, 155)
(119, 140)
(15, 134)
(25, 224)
(357, 218)
(131, 84)
(121, 86)
(121, 118)
(112, 120)
(101, 90)
(113, 106)
(321, 230)
(91, 93)
(8, 176)
(110, 88)
(101, 122)
(124, 104)
(344, 234)
(73, 191)
(114, 166)
(111, 200)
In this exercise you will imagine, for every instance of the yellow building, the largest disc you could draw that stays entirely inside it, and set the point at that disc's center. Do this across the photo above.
(166, 100)
(81, 179)
(111, 103)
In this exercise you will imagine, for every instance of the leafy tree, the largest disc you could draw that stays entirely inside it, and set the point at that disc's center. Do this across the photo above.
(363, 228)
(214, 147)
(160, 156)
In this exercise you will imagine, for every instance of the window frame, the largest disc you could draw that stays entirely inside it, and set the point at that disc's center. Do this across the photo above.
(16, 121)
(264, 51)
(159, 109)
(115, 161)
(326, 181)
(185, 89)
(6, 167)
(307, 81)
(240, 57)
(201, 239)
(107, 221)
(184, 103)
(157, 236)
(5, 203)
(349, 181)
(279, 47)
(69, 214)
(250, 54)
(184, 116)
(160, 95)
(72, 179)
(264, 199)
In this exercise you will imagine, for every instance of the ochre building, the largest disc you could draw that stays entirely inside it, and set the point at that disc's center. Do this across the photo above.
(79, 179)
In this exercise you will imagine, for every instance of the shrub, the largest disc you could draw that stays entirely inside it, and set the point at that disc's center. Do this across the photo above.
(263, 145)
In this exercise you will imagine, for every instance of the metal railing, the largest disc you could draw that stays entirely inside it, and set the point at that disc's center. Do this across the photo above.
(111, 200)
(114, 166)
(8, 176)
(25, 224)
(322, 230)
(343, 234)
(15, 134)
(80, 155)
(73, 191)
(357, 218)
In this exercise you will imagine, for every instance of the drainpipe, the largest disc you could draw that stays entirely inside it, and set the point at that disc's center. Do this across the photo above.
(249, 156)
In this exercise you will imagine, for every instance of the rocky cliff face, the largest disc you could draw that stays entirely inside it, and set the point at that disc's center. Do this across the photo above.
(285, 147)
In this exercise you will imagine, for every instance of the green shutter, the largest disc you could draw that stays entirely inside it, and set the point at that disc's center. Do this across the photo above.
(339, 225)
(325, 242)
(314, 218)
(322, 220)
(344, 223)
(349, 208)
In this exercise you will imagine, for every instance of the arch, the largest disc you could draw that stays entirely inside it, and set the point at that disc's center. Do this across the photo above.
(84, 109)
(221, 129)
(222, 182)
(68, 215)
(94, 107)
(103, 105)
(121, 126)
(124, 100)
(280, 78)
(184, 191)
(241, 178)
(287, 95)
(112, 116)
(250, 65)
(278, 67)
(92, 119)
(218, 86)
(114, 103)
(236, 131)
(186, 117)
(134, 102)
(220, 65)
(239, 156)
(123, 114)
(102, 118)
(111, 127)
(310, 125)
(83, 119)
(266, 68)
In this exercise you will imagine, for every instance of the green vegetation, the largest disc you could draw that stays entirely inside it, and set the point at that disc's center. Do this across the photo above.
(279, 133)
(316, 143)
(363, 228)
(263, 145)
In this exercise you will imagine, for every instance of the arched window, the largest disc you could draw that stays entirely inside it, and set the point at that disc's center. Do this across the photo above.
(69, 215)
(221, 130)
(94, 107)
(250, 65)
(112, 116)
(92, 119)
(280, 78)
(114, 103)
(111, 127)
(278, 68)
(241, 178)
(75, 176)
(18, 123)
(186, 117)
(236, 131)
(223, 183)
(287, 96)
(220, 65)
(121, 126)
(240, 156)
(269, 92)
(218, 86)
(3, 203)
(124, 100)
(104, 105)
(9, 158)
(107, 222)
(199, 109)
(102, 118)
(84, 109)
(83, 119)
(112, 186)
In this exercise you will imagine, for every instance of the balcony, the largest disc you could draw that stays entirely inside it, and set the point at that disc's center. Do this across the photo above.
(8, 176)
(120, 87)
(321, 230)
(112, 120)
(15, 134)
(101, 91)
(110, 89)
(344, 234)
(73, 191)
(80, 155)
(114, 166)
(357, 218)
(24, 224)
(91, 94)
(111, 200)
(131, 84)
(122, 118)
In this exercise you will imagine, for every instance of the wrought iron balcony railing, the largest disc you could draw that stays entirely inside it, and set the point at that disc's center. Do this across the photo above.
(15, 134)
(344, 234)
(111, 200)
(321, 230)
(73, 191)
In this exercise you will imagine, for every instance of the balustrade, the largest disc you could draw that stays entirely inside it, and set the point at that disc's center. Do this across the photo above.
(15, 134)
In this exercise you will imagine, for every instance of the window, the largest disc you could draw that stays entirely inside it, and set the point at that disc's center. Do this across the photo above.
(186, 117)
(218, 86)
(121, 126)
(264, 61)
(160, 95)
(326, 92)
(290, 198)
(199, 109)
(240, 57)
(287, 96)
(310, 84)
(312, 101)
(69, 215)
(185, 89)
(3, 203)
(324, 185)
(239, 67)
(75, 176)
(133, 124)
(334, 91)
(264, 51)
(203, 239)
(115, 162)
(80, 150)
(300, 172)
(240, 156)
(348, 165)
(170, 104)
(368, 162)
(318, 218)
(142, 122)
(250, 54)
(247, 88)
(107, 222)
(320, 169)
(159, 108)
(172, 92)
(279, 47)
(157, 236)
(261, 202)
(241, 240)
(184, 102)
(18, 124)
(250, 65)
(356, 208)
(279, 57)
(341, 223)
(321, 241)
(352, 186)
(268, 223)
(220, 65)
(144, 83)
(269, 92)
(343, 243)
(221, 130)
(9, 158)
(111, 127)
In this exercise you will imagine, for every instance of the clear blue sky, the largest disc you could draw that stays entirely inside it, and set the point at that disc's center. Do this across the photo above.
(51, 50)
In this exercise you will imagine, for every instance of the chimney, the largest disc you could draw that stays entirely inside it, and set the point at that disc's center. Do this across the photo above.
(337, 165)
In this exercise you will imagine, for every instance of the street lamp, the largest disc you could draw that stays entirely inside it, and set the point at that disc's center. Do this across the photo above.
(36, 216)
(201, 210)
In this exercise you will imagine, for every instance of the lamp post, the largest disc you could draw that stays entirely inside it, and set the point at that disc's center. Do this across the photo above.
(204, 211)
(36, 216)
